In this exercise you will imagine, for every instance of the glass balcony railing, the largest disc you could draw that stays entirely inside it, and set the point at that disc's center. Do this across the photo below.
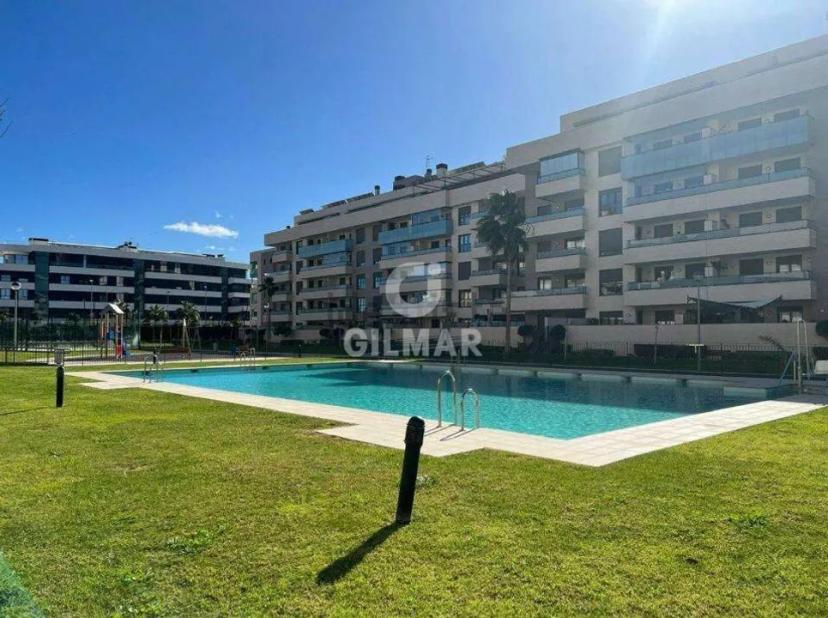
(562, 252)
(443, 227)
(575, 171)
(575, 289)
(561, 214)
(802, 275)
(769, 136)
(768, 228)
(722, 185)
(415, 252)
(334, 246)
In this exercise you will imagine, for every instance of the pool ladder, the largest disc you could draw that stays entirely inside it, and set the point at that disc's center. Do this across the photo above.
(462, 409)
(247, 360)
(152, 369)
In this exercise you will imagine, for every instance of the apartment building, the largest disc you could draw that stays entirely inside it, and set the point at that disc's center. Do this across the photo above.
(59, 279)
(711, 187)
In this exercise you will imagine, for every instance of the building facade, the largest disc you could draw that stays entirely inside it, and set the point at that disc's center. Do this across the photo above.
(61, 279)
(711, 187)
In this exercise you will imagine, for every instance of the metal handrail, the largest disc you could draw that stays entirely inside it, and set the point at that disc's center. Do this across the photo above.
(448, 373)
(476, 409)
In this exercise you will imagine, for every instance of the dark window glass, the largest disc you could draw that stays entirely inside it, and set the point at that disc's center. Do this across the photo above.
(784, 215)
(750, 219)
(665, 230)
(786, 165)
(609, 161)
(753, 266)
(665, 316)
(693, 181)
(662, 144)
(611, 317)
(464, 215)
(463, 270)
(750, 171)
(750, 124)
(611, 282)
(360, 235)
(693, 271)
(786, 115)
(789, 264)
(610, 242)
(609, 202)
(694, 227)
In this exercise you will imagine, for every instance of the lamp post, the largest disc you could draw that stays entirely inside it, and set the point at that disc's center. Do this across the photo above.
(698, 323)
(266, 307)
(15, 286)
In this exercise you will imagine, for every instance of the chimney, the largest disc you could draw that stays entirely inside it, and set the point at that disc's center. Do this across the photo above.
(428, 172)
(399, 182)
(376, 189)
(442, 169)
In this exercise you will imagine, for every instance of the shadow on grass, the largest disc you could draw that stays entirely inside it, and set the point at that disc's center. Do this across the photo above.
(340, 567)
(24, 410)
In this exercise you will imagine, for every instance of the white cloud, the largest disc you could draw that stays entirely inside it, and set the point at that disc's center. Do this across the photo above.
(218, 215)
(202, 229)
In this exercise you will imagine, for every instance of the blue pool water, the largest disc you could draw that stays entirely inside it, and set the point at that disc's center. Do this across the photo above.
(540, 406)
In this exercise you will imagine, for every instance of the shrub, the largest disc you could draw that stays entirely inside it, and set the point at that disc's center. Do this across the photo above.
(822, 328)
(527, 331)
(325, 333)
(282, 330)
(557, 332)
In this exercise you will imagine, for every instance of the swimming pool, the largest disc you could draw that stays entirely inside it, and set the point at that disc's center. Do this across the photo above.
(554, 408)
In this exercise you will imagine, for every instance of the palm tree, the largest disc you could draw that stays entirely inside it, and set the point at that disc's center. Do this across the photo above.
(156, 315)
(503, 230)
(268, 288)
(188, 313)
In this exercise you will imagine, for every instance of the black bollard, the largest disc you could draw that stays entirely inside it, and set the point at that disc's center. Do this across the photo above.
(59, 387)
(414, 432)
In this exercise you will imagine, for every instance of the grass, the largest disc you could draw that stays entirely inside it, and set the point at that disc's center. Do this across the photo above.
(143, 503)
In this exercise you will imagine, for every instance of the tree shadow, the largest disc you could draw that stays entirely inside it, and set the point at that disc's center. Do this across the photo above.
(22, 411)
(340, 567)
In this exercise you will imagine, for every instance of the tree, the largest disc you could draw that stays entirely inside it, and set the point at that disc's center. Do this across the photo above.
(189, 315)
(503, 230)
(268, 288)
(156, 315)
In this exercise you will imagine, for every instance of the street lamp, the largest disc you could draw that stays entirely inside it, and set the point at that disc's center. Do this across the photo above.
(15, 286)
(266, 308)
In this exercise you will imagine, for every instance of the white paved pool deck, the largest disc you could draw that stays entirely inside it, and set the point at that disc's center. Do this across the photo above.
(594, 450)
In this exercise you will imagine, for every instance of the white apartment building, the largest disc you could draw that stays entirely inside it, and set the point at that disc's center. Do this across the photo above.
(60, 279)
(712, 186)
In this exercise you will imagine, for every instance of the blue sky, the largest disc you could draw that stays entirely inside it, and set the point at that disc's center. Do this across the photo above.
(131, 117)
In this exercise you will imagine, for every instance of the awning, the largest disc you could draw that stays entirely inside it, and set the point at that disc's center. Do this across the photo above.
(754, 305)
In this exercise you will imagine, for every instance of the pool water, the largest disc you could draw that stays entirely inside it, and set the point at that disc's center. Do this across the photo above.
(561, 409)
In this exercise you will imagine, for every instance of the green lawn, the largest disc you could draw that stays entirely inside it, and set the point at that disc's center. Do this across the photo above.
(142, 503)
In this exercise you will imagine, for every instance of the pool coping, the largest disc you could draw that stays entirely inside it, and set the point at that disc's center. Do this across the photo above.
(385, 429)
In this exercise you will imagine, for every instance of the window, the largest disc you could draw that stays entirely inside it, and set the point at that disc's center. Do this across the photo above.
(694, 271)
(64, 279)
(362, 302)
(463, 271)
(575, 243)
(750, 124)
(663, 187)
(464, 215)
(464, 243)
(545, 209)
(378, 280)
(573, 204)
(662, 144)
(663, 273)
(790, 314)
(694, 227)
(609, 161)
(611, 282)
(793, 213)
(376, 255)
(5, 293)
(464, 298)
(750, 219)
(610, 242)
(611, 317)
(103, 280)
(664, 230)
(360, 235)
(789, 264)
(574, 281)
(787, 165)
(693, 182)
(544, 283)
(753, 266)
(559, 164)
(665, 317)
(609, 202)
(786, 115)
(375, 232)
(692, 137)
(360, 258)
(360, 282)
(751, 171)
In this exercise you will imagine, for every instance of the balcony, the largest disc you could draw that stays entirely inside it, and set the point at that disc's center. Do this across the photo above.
(279, 276)
(430, 255)
(324, 270)
(441, 281)
(736, 288)
(554, 299)
(440, 310)
(328, 291)
(561, 259)
(567, 181)
(329, 314)
(767, 137)
(793, 235)
(562, 222)
(333, 246)
(432, 229)
(275, 316)
(490, 277)
(280, 256)
(724, 194)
